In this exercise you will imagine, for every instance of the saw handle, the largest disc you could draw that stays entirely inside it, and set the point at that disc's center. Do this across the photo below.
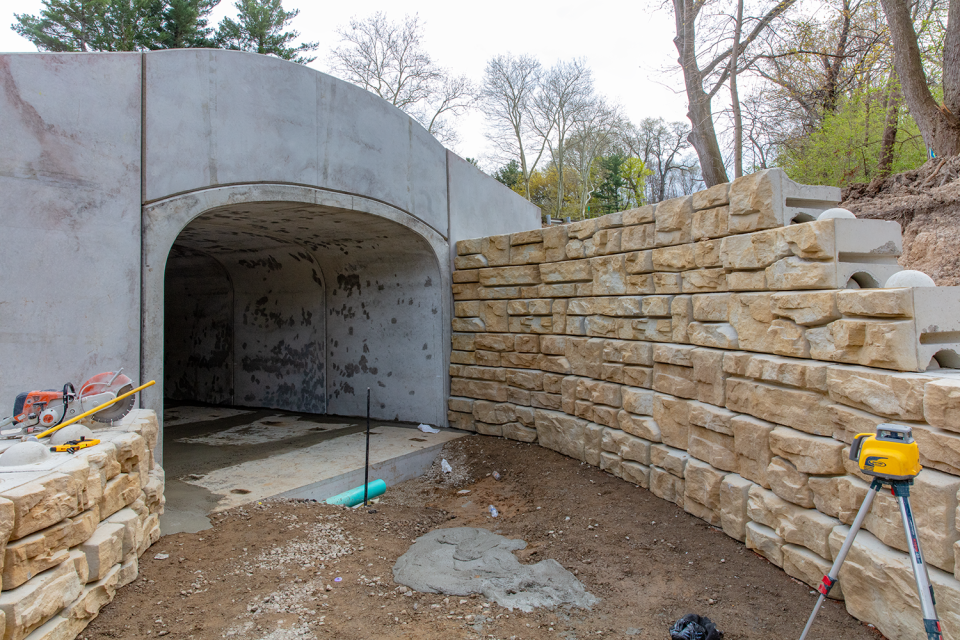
(94, 410)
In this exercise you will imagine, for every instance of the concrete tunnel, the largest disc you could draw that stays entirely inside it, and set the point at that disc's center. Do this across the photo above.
(303, 307)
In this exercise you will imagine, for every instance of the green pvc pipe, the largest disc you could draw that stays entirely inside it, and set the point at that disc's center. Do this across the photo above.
(353, 497)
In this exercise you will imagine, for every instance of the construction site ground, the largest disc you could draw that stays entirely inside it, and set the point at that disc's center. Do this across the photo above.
(278, 570)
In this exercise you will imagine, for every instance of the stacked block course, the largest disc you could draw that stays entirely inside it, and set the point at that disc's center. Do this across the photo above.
(71, 536)
(722, 350)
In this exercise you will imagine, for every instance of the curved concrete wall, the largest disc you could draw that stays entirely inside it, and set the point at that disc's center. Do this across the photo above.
(105, 158)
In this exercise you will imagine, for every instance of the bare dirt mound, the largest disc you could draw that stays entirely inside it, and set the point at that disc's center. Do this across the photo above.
(926, 203)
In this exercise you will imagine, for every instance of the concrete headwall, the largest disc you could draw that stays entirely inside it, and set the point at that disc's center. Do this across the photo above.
(106, 159)
(718, 350)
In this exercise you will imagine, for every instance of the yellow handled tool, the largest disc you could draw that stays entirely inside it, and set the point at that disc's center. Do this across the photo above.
(74, 445)
(94, 410)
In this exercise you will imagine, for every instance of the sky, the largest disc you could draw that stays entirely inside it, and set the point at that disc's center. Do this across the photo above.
(628, 45)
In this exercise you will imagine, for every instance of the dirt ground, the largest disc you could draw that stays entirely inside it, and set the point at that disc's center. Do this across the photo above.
(926, 203)
(281, 570)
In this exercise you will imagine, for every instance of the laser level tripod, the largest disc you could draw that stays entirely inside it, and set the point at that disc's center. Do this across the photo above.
(893, 459)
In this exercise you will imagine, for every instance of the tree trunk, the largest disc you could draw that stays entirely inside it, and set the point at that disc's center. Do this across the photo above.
(939, 125)
(703, 135)
(735, 96)
(890, 127)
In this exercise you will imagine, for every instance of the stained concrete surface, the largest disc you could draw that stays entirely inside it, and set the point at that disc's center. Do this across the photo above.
(222, 457)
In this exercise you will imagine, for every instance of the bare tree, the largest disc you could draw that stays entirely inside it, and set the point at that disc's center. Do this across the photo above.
(703, 135)
(662, 146)
(939, 123)
(507, 97)
(566, 94)
(388, 59)
(593, 135)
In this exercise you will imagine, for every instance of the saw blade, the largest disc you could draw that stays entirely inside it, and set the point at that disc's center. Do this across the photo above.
(117, 410)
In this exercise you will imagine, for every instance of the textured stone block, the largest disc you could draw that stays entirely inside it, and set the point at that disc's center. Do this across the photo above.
(746, 281)
(675, 380)
(677, 258)
(702, 491)
(30, 605)
(838, 496)
(734, 493)
(673, 417)
(554, 243)
(878, 303)
(941, 403)
(795, 273)
(875, 343)
(751, 315)
(807, 308)
(460, 277)
(764, 541)
(675, 214)
(636, 473)
(707, 254)
(751, 251)
(640, 426)
(37, 552)
(639, 215)
(638, 401)
(786, 371)
(642, 236)
(718, 335)
(803, 410)
(103, 549)
(669, 459)
(94, 597)
(808, 567)
(493, 413)
(487, 429)
(517, 431)
(571, 271)
(751, 440)
(710, 223)
(611, 463)
(470, 262)
(667, 486)
(894, 395)
(810, 454)
(527, 254)
(480, 389)
(496, 249)
(712, 447)
(560, 432)
(510, 276)
(755, 202)
(788, 483)
(667, 283)
(703, 281)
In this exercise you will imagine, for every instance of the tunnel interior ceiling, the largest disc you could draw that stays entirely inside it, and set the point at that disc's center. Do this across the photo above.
(302, 307)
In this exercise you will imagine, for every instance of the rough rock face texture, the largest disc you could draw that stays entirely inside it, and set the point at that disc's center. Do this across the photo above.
(718, 351)
(70, 536)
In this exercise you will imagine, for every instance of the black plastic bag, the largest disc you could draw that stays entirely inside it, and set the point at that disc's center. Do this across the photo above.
(694, 627)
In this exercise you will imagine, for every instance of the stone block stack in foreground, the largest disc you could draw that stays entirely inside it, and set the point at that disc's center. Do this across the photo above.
(71, 535)
(722, 350)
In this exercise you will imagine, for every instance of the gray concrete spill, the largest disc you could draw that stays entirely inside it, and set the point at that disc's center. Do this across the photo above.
(464, 560)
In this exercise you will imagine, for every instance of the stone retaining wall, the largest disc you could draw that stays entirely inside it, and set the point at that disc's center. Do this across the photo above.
(716, 350)
(72, 535)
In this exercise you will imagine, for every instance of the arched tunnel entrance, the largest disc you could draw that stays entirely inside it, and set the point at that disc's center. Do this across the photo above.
(277, 317)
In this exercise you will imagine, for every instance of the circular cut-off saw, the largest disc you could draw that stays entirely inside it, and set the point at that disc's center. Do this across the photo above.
(37, 411)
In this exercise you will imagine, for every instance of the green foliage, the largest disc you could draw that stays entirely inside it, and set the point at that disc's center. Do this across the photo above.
(846, 147)
(607, 196)
(510, 175)
(473, 161)
(259, 28)
(117, 25)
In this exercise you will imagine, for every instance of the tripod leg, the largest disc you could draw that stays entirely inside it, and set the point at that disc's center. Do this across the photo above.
(927, 603)
(831, 578)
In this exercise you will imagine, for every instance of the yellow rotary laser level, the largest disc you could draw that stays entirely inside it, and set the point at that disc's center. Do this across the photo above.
(892, 457)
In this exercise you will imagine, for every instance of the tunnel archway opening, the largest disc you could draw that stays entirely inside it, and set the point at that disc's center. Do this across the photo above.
(277, 317)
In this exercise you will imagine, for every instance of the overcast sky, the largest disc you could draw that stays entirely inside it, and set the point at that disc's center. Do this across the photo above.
(628, 45)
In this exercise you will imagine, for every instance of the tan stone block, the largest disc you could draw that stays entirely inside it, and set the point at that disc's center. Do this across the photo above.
(638, 263)
(527, 344)
(895, 395)
(764, 541)
(29, 606)
(611, 463)
(531, 380)
(666, 283)
(463, 341)
(79, 559)
(702, 491)
(703, 281)
(496, 249)
(639, 215)
(848, 422)
(636, 473)
(470, 262)
(751, 316)
(711, 223)
(592, 434)
(746, 281)
(599, 392)
(641, 426)
(585, 355)
(560, 432)
(494, 315)
(463, 357)
(607, 242)
(677, 258)
(638, 401)
(788, 483)
(486, 429)
(712, 417)
(510, 276)
(582, 409)
(681, 312)
(786, 371)
(666, 486)
(808, 308)
(804, 410)
(520, 360)
(467, 309)
(638, 377)
(483, 390)
(941, 403)
(557, 290)
(719, 335)
(715, 196)
(810, 454)
(709, 375)
(498, 293)
(879, 303)
(707, 254)
(714, 448)
(469, 246)
(153, 490)
(466, 291)
(103, 549)
(551, 382)
(711, 307)
(806, 566)
(675, 214)
(460, 277)
(751, 440)
(550, 401)
(478, 373)
(518, 396)
(751, 251)
(45, 502)
(494, 413)
(151, 532)
(554, 243)
(669, 459)
(838, 496)
(600, 326)
(583, 229)
(875, 343)
(516, 431)
(627, 352)
(638, 237)
(494, 342)
(94, 597)
(527, 254)
(606, 416)
(461, 420)
(553, 345)
(795, 273)
(754, 202)
(609, 275)
(37, 552)
(673, 354)
(526, 416)
(675, 380)
(570, 271)
(673, 417)
(734, 493)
